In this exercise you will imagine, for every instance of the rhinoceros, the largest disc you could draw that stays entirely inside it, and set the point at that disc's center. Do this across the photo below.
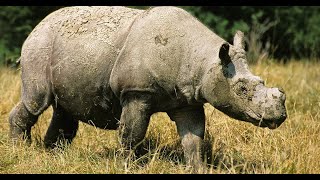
(113, 67)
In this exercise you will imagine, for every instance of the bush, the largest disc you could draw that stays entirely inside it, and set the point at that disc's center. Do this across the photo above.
(16, 23)
(279, 32)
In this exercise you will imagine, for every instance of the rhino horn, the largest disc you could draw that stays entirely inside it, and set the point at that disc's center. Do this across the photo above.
(238, 40)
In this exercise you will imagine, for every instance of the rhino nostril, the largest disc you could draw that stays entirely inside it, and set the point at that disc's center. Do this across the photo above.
(283, 96)
(281, 90)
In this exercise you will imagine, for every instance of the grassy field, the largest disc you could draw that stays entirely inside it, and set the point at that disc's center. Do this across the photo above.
(231, 146)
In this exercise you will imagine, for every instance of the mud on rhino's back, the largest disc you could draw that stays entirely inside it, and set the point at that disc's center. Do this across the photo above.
(80, 44)
(90, 40)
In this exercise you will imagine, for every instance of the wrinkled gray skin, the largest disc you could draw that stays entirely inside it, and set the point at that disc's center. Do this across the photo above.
(113, 67)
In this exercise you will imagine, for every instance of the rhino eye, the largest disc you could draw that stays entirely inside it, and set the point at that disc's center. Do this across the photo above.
(241, 89)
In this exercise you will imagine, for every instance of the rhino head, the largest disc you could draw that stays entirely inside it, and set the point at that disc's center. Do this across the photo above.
(235, 91)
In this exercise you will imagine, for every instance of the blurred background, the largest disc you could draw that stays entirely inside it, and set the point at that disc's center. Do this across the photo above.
(282, 45)
(281, 33)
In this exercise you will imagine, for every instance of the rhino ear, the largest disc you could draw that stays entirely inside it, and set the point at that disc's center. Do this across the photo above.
(224, 54)
(238, 40)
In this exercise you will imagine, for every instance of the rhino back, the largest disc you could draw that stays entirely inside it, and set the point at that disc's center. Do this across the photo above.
(164, 54)
(82, 45)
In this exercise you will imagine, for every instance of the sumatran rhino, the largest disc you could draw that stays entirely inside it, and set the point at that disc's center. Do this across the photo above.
(113, 67)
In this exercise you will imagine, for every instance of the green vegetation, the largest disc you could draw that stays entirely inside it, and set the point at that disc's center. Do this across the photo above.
(16, 23)
(278, 32)
(273, 34)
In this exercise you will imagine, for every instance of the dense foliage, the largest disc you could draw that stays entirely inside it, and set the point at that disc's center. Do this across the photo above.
(275, 31)
(16, 22)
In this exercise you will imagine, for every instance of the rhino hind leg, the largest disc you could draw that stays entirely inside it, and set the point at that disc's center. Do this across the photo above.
(62, 129)
(134, 122)
(21, 122)
(34, 100)
(190, 122)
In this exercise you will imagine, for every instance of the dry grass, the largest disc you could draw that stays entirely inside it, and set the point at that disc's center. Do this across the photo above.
(231, 146)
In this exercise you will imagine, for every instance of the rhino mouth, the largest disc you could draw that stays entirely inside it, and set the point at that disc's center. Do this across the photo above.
(258, 120)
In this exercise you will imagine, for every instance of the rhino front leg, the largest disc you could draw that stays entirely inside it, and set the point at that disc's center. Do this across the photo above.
(21, 122)
(134, 121)
(190, 122)
(62, 129)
